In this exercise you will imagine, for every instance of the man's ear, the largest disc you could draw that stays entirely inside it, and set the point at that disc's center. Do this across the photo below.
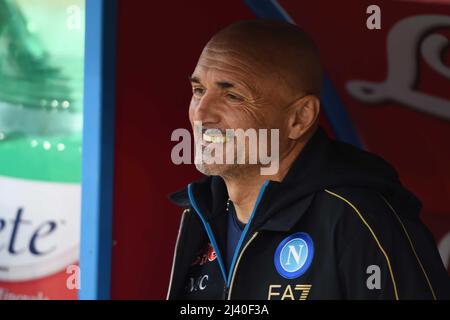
(303, 115)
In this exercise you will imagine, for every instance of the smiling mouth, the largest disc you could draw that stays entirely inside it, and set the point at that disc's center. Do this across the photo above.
(214, 139)
(215, 136)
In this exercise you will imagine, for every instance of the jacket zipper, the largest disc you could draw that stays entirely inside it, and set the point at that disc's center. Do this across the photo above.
(230, 289)
(175, 252)
(228, 281)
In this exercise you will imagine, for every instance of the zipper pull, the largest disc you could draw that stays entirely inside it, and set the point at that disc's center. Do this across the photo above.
(225, 292)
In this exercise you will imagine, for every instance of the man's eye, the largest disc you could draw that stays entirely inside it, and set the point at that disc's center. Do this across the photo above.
(233, 97)
(198, 92)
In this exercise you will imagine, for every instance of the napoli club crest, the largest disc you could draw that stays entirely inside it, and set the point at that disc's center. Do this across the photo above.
(294, 255)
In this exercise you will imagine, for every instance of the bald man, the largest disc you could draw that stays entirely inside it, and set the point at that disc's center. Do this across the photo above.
(332, 222)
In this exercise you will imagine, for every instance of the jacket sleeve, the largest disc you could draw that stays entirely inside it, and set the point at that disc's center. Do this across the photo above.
(386, 255)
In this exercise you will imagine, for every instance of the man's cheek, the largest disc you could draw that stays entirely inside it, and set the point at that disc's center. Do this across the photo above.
(191, 114)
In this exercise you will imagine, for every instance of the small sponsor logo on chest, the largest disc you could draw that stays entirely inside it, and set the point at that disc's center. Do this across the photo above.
(206, 255)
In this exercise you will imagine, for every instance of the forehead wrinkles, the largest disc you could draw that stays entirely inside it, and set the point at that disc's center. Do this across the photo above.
(246, 61)
(234, 63)
(250, 60)
(216, 73)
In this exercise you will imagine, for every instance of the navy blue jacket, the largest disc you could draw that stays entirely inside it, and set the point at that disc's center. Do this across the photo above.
(339, 226)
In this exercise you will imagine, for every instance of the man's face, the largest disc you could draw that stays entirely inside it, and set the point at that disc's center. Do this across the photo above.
(231, 91)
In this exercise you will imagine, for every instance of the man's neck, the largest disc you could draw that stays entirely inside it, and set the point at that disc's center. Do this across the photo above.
(244, 189)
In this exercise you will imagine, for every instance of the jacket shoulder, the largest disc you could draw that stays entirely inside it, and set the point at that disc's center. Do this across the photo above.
(360, 205)
(358, 215)
(371, 232)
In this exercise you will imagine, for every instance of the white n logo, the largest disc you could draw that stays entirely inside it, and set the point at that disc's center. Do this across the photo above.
(294, 253)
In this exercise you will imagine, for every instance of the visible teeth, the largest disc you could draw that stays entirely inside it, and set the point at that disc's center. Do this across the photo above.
(214, 139)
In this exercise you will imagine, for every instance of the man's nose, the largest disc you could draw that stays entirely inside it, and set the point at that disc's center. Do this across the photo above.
(207, 110)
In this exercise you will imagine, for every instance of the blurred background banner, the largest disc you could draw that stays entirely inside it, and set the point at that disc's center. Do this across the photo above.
(41, 118)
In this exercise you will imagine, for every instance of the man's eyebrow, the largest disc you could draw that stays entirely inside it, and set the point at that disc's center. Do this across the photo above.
(221, 84)
(194, 79)
(225, 84)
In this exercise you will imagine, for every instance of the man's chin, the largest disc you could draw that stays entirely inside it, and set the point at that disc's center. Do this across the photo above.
(223, 170)
(209, 169)
(217, 169)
